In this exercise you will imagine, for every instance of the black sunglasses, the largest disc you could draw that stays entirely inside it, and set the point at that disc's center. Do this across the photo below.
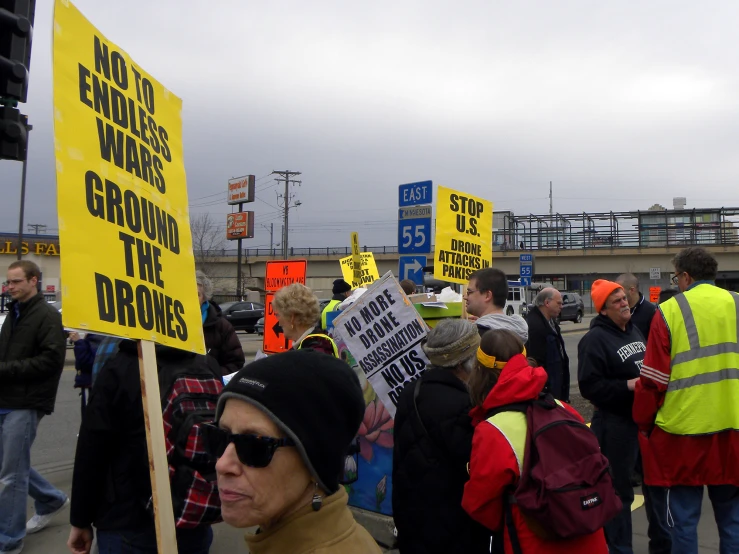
(252, 450)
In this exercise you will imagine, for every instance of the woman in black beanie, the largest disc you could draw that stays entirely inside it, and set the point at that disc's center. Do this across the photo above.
(283, 427)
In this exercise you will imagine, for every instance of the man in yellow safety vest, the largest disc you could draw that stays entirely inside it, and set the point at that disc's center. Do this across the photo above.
(341, 291)
(687, 402)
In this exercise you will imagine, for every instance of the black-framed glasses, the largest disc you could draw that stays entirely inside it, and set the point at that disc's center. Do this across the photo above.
(252, 450)
(471, 291)
(675, 277)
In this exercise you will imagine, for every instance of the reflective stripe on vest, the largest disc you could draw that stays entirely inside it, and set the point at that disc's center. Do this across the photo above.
(321, 336)
(329, 308)
(704, 362)
(514, 426)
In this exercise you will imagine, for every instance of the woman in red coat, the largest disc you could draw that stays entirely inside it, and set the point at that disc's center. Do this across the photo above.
(503, 376)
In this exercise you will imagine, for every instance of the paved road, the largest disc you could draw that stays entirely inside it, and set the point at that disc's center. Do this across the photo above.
(53, 455)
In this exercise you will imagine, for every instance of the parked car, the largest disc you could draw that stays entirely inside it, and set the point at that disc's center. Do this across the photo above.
(573, 307)
(243, 315)
(260, 326)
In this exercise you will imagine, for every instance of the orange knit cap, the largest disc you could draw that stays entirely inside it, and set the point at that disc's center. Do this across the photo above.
(600, 292)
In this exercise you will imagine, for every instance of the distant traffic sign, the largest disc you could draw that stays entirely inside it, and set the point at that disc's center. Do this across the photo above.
(411, 267)
(274, 339)
(281, 273)
(655, 273)
(412, 194)
(526, 268)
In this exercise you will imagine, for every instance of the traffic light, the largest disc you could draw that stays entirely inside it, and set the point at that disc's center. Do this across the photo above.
(16, 32)
(13, 134)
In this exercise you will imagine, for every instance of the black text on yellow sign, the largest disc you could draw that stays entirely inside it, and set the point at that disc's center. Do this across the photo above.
(464, 226)
(119, 146)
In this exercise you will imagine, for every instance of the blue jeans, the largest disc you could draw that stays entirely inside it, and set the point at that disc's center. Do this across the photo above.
(617, 436)
(144, 541)
(18, 479)
(655, 506)
(684, 504)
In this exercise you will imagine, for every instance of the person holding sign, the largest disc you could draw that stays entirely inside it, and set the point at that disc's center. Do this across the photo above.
(283, 427)
(433, 441)
(297, 311)
(486, 296)
(221, 341)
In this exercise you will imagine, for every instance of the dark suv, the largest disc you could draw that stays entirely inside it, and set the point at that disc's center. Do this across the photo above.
(572, 307)
(243, 315)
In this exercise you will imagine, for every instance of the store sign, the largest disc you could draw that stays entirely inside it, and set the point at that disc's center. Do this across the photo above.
(240, 225)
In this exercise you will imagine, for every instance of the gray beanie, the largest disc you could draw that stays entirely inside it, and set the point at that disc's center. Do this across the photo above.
(452, 342)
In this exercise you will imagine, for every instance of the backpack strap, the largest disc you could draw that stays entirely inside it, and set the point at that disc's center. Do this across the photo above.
(420, 427)
(514, 407)
(508, 501)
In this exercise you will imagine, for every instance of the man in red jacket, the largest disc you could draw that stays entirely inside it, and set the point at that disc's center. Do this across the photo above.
(686, 403)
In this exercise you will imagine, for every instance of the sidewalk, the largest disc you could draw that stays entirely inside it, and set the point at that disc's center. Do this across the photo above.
(228, 540)
(572, 327)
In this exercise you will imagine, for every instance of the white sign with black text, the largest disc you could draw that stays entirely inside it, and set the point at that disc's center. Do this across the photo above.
(384, 332)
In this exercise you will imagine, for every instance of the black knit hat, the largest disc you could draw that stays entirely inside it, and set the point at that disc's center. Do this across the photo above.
(340, 286)
(315, 399)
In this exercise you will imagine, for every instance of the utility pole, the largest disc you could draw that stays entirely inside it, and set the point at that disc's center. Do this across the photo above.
(551, 211)
(286, 198)
(23, 189)
(36, 227)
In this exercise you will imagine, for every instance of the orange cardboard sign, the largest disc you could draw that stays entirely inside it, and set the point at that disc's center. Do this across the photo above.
(654, 294)
(274, 340)
(281, 273)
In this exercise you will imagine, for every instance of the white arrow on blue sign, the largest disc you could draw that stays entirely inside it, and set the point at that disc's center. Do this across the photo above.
(411, 267)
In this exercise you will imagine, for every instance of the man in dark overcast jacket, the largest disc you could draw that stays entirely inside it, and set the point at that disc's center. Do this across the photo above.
(642, 310)
(546, 344)
(431, 454)
(32, 350)
(610, 357)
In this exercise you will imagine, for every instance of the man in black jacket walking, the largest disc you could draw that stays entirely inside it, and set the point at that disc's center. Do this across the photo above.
(610, 357)
(433, 440)
(32, 351)
(546, 344)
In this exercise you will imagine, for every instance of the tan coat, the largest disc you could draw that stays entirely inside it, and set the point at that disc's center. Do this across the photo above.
(330, 530)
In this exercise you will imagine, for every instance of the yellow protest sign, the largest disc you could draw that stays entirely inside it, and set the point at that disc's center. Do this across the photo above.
(356, 257)
(464, 235)
(128, 267)
(369, 270)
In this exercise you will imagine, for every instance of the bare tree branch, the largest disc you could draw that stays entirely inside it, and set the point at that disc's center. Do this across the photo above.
(207, 241)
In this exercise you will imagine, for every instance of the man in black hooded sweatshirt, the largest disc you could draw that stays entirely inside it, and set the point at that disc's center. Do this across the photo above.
(609, 362)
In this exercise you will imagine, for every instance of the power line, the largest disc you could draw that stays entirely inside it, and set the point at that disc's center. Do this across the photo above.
(286, 198)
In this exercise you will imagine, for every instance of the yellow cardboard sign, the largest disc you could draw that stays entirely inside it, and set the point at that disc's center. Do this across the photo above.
(464, 235)
(128, 267)
(369, 270)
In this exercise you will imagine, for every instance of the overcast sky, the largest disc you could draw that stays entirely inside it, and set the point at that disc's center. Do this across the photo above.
(620, 104)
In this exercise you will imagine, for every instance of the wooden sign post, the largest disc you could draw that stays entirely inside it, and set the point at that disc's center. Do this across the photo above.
(158, 466)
